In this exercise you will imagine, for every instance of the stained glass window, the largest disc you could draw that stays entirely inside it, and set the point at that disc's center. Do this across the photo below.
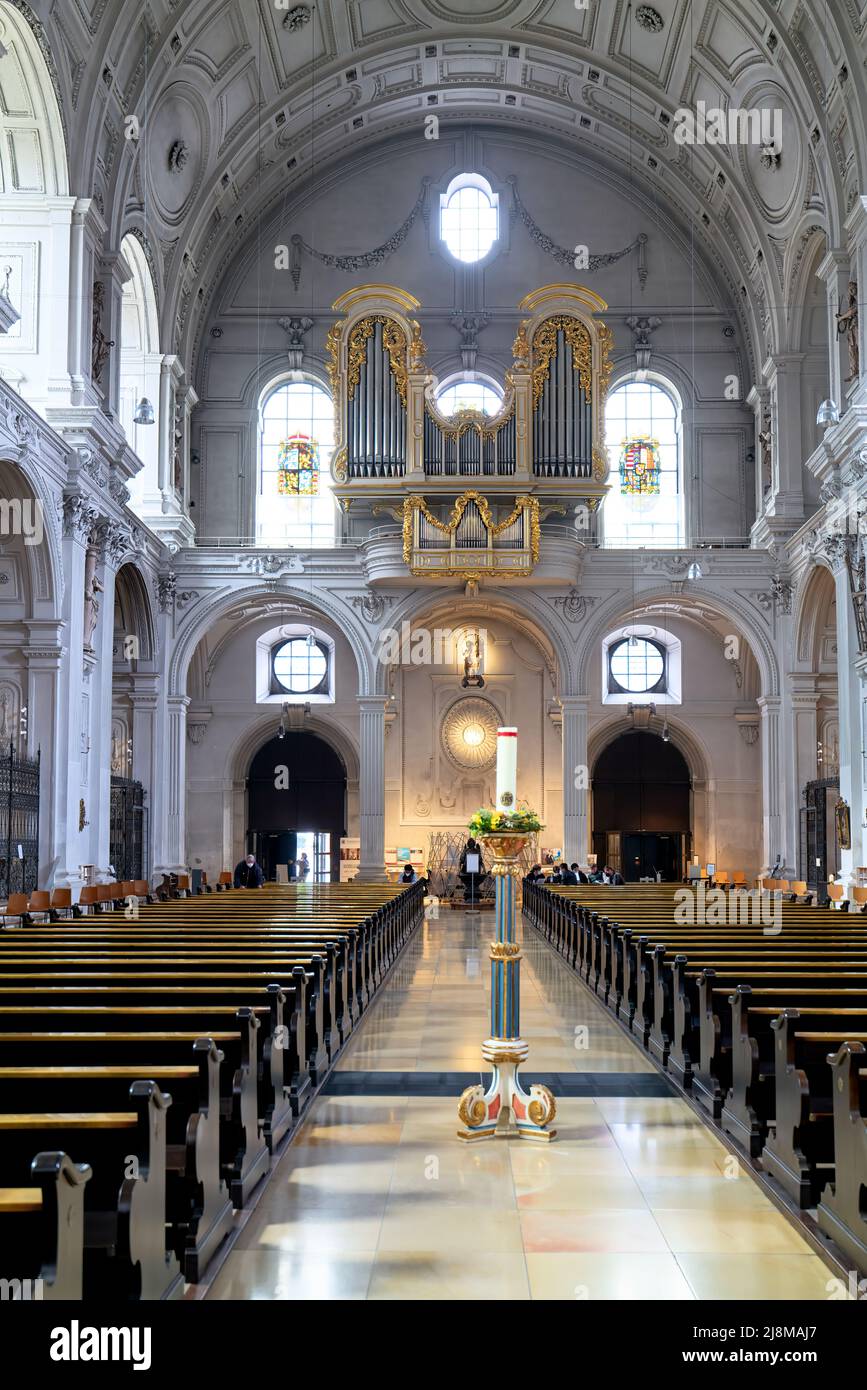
(645, 504)
(298, 467)
(639, 467)
(295, 505)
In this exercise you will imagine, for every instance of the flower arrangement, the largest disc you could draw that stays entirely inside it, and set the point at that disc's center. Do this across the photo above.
(488, 822)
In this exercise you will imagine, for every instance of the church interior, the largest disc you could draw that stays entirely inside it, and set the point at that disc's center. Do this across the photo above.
(433, 455)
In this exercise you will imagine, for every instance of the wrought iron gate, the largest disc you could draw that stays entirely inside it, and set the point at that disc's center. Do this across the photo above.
(818, 839)
(19, 823)
(128, 837)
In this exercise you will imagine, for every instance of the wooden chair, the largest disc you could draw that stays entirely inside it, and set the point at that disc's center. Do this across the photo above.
(16, 907)
(183, 888)
(224, 881)
(835, 893)
(859, 897)
(40, 904)
(739, 879)
(721, 878)
(88, 899)
(61, 903)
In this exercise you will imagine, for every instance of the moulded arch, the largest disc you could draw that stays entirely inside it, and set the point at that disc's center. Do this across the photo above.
(219, 603)
(613, 610)
(38, 131)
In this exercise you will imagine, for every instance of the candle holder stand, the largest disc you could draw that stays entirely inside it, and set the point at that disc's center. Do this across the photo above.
(505, 1110)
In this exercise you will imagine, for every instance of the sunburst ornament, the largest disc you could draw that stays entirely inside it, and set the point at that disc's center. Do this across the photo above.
(469, 734)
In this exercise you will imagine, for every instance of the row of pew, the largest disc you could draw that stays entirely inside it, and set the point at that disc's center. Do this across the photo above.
(762, 1019)
(149, 1068)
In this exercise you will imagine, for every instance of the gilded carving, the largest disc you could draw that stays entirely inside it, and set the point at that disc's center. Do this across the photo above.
(394, 342)
(545, 346)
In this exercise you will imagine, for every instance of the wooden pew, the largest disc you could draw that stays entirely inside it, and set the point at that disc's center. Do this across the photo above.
(42, 1228)
(842, 1214)
(199, 1207)
(799, 1150)
(126, 1256)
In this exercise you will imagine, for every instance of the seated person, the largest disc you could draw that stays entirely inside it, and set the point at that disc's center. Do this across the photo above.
(568, 877)
(248, 873)
(471, 882)
(610, 875)
(579, 873)
(555, 875)
(409, 875)
(535, 874)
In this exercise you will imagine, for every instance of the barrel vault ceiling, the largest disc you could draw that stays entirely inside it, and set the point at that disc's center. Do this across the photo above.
(260, 97)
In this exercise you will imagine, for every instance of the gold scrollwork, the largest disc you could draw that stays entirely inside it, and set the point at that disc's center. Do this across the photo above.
(505, 950)
(543, 1107)
(606, 346)
(471, 1107)
(339, 470)
(525, 505)
(545, 346)
(332, 347)
(394, 342)
(521, 349)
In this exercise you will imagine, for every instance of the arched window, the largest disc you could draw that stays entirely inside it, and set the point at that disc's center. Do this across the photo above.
(140, 360)
(469, 218)
(462, 394)
(645, 504)
(294, 505)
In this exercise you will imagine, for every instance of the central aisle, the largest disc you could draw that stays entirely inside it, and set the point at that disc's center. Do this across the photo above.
(635, 1198)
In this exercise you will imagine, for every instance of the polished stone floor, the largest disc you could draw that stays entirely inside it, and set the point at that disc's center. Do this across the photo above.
(635, 1199)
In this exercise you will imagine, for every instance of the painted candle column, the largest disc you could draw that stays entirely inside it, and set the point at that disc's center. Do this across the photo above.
(505, 1109)
(175, 775)
(507, 769)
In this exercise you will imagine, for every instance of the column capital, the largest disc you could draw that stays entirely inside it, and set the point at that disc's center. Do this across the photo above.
(373, 704)
(574, 704)
(770, 704)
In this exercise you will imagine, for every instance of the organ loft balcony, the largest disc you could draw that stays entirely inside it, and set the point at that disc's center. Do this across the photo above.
(435, 497)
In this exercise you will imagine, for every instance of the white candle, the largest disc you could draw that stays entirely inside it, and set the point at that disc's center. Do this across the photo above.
(507, 769)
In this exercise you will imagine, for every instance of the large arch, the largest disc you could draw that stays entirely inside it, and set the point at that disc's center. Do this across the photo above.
(240, 755)
(719, 604)
(696, 755)
(33, 155)
(220, 603)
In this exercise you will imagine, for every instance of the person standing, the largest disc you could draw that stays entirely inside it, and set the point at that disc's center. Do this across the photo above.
(303, 867)
(248, 874)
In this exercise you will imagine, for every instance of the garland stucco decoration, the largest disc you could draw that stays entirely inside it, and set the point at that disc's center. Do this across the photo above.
(566, 256)
(364, 259)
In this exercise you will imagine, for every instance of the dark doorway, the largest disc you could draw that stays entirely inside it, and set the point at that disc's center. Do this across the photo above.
(641, 807)
(309, 796)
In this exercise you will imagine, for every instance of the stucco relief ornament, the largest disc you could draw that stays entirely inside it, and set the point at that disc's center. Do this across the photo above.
(271, 564)
(100, 345)
(650, 19)
(847, 325)
(749, 733)
(179, 157)
(166, 588)
(372, 606)
(769, 156)
(575, 606)
(78, 516)
(297, 17)
(196, 732)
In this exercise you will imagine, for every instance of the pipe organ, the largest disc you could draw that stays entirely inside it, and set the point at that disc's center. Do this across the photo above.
(546, 441)
(471, 538)
(376, 399)
(562, 400)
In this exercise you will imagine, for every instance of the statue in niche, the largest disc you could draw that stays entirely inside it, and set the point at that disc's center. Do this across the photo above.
(472, 662)
(847, 322)
(117, 766)
(6, 714)
(92, 587)
(766, 441)
(100, 345)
